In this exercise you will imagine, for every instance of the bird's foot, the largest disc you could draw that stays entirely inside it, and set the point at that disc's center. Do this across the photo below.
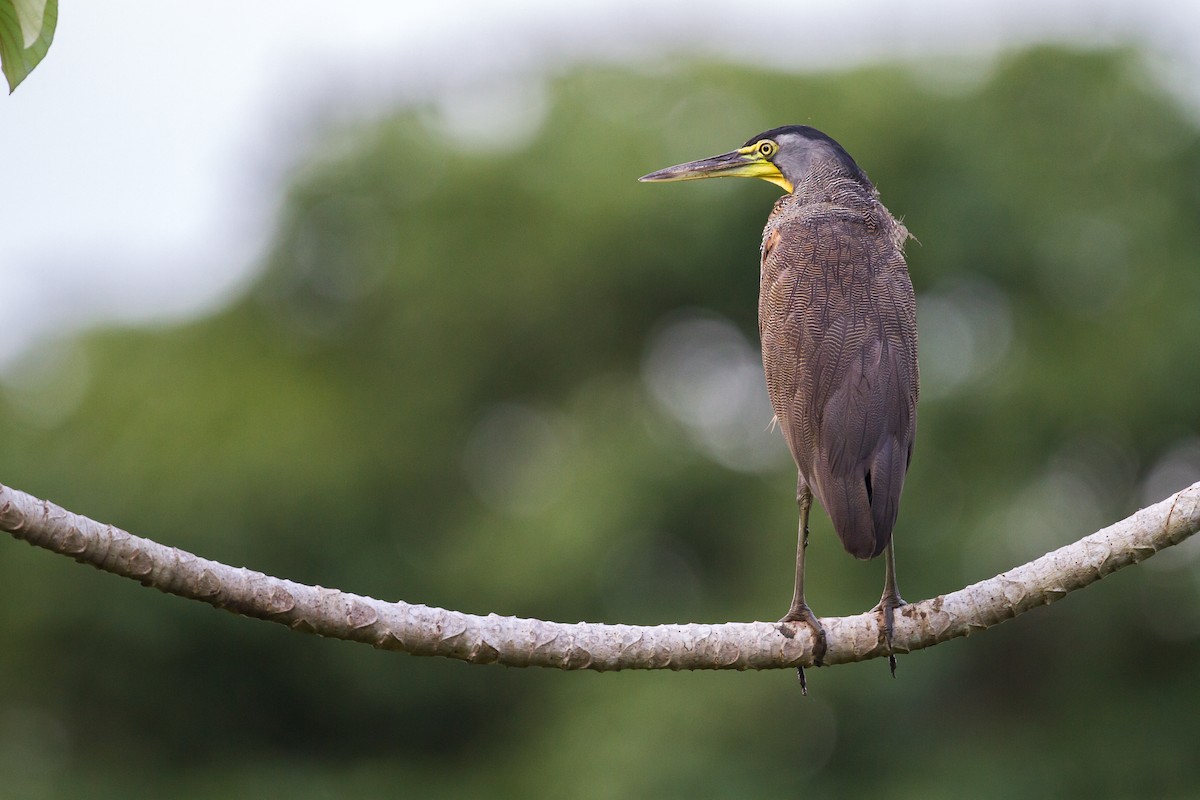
(887, 606)
(803, 614)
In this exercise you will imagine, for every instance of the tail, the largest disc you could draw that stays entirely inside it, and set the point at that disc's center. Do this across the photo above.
(864, 503)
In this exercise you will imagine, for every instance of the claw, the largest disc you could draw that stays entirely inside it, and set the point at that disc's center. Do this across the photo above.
(888, 605)
(805, 616)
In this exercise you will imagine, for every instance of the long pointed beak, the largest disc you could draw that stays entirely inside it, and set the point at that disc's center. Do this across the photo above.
(733, 164)
(744, 163)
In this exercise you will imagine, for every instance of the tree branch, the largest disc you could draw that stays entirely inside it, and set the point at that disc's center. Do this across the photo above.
(421, 630)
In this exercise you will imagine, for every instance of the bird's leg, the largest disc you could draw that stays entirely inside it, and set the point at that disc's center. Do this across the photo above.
(890, 601)
(800, 612)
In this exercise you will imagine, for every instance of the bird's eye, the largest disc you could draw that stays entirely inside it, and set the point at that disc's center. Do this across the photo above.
(767, 148)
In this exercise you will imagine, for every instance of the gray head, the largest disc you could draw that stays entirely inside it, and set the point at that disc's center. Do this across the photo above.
(798, 150)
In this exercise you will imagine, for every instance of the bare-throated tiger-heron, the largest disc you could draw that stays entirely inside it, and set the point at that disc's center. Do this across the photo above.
(837, 320)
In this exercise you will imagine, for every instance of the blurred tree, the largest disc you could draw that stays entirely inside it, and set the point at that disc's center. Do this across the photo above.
(518, 376)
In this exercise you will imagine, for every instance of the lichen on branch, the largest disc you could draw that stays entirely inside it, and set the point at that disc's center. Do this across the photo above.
(517, 642)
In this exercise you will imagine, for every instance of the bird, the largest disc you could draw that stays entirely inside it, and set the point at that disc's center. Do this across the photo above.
(838, 329)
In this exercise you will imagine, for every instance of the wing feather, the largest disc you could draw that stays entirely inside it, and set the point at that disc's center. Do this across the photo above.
(838, 325)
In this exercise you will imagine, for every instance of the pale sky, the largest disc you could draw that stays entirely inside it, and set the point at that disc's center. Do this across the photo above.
(144, 159)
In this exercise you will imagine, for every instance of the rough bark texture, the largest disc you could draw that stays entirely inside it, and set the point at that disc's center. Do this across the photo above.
(426, 631)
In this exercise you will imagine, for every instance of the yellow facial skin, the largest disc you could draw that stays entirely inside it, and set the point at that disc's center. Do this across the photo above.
(751, 161)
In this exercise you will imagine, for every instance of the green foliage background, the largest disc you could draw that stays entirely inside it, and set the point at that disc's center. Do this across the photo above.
(440, 390)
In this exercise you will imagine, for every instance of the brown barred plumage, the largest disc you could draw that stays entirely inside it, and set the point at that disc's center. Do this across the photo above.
(837, 319)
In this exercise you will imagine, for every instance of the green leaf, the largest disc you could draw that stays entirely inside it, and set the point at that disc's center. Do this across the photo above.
(26, 30)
